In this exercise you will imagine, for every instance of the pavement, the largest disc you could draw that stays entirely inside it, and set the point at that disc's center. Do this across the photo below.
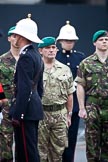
(80, 153)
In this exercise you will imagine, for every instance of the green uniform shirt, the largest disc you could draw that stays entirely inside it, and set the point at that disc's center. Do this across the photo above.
(93, 75)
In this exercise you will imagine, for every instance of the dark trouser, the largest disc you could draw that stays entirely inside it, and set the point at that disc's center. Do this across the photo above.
(26, 137)
(68, 155)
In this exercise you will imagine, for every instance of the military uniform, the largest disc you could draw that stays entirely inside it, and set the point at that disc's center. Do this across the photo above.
(67, 38)
(72, 59)
(58, 84)
(28, 108)
(93, 76)
(7, 67)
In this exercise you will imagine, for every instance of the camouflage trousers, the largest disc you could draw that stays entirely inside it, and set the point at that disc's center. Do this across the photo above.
(97, 132)
(52, 138)
(6, 136)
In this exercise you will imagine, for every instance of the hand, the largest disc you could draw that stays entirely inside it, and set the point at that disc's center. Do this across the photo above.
(5, 102)
(15, 123)
(82, 113)
(68, 120)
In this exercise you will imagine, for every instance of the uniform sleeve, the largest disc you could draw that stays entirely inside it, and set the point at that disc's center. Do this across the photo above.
(24, 85)
(80, 74)
(6, 77)
(40, 85)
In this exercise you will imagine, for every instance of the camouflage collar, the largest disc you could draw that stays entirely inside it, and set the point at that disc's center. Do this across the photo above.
(96, 57)
(58, 64)
(7, 56)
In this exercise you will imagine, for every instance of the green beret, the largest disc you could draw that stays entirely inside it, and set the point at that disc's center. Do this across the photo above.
(98, 34)
(10, 30)
(47, 41)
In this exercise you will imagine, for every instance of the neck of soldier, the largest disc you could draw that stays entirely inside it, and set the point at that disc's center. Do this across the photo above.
(15, 52)
(103, 55)
(49, 63)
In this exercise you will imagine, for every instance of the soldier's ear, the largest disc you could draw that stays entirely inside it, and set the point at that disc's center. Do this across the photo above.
(40, 50)
(8, 39)
(94, 43)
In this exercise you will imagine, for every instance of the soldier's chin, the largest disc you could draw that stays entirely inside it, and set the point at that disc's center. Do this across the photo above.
(15, 46)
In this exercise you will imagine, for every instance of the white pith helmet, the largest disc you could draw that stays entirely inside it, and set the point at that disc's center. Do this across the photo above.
(28, 29)
(67, 32)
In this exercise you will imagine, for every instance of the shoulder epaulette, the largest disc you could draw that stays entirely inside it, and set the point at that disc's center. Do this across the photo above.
(79, 52)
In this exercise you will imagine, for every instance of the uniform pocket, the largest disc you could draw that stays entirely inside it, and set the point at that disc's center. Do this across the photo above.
(62, 84)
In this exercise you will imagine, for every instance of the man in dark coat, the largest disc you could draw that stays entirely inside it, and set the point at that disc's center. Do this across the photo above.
(66, 55)
(27, 108)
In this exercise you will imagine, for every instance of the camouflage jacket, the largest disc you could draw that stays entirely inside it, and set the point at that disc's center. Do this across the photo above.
(93, 75)
(58, 84)
(7, 68)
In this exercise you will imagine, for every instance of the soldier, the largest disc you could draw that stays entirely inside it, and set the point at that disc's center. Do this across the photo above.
(92, 81)
(7, 68)
(70, 57)
(26, 108)
(57, 104)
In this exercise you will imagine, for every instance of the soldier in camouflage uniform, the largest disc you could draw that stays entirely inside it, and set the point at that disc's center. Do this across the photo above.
(7, 68)
(93, 81)
(57, 104)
